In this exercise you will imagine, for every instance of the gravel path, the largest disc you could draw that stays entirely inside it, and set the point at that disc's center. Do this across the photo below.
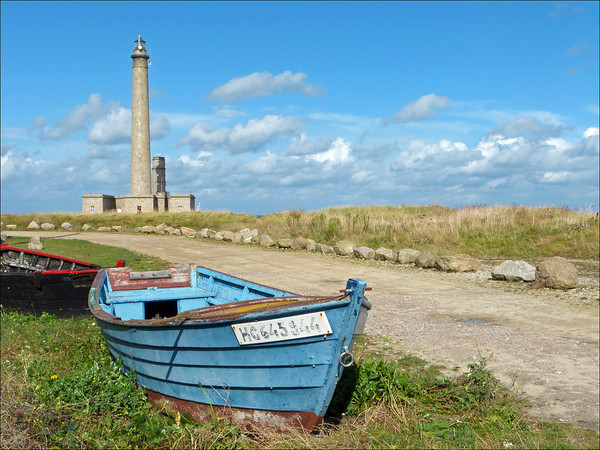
(543, 342)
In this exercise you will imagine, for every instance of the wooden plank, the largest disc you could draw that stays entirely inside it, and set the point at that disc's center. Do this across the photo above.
(120, 278)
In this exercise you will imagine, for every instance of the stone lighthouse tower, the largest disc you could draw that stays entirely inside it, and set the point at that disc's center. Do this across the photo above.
(141, 182)
(148, 181)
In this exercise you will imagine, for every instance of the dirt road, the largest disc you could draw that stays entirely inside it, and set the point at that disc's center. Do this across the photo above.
(545, 345)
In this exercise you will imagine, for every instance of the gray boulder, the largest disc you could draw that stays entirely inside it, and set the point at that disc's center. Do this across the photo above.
(67, 226)
(190, 232)
(311, 245)
(245, 236)
(207, 233)
(11, 227)
(299, 243)
(514, 271)
(33, 225)
(117, 228)
(147, 229)
(325, 249)
(160, 229)
(364, 252)
(385, 254)
(556, 273)
(344, 248)
(457, 263)
(227, 236)
(48, 226)
(425, 261)
(266, 241)
(408, 256)
(239, 235)
(35, 243)
(103, 229)
(284, 243)
(86, 227)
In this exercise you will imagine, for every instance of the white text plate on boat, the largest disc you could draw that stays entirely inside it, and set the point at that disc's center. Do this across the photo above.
(284, 329)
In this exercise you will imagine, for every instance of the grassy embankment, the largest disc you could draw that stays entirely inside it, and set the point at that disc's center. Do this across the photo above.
(60, 388)
(514, 232)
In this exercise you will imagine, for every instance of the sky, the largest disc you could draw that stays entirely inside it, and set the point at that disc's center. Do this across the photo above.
(260, 107)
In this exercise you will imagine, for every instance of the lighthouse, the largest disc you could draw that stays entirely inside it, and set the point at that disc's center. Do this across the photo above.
(141, 183)
(148, 181)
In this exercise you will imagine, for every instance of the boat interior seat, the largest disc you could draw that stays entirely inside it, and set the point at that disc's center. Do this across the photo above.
(159, 295)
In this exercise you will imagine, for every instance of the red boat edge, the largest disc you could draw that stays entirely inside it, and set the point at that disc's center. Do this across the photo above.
(246, 418)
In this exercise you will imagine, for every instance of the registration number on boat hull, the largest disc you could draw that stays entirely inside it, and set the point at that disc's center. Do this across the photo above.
(284, 329)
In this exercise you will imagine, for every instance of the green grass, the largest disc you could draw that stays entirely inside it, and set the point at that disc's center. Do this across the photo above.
(61, 389)
(104, 255)
(514, 232)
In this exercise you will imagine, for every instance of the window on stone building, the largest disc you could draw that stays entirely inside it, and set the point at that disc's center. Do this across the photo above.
(92, 209)
(179, 208)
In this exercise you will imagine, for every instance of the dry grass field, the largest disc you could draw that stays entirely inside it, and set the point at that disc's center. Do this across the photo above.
(516, 232)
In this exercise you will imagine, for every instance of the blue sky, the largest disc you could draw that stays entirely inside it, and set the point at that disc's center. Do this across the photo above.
(261, 107)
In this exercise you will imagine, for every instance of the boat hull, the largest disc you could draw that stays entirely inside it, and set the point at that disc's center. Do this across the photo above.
(35, 282)
(36, 293)
(200, 361)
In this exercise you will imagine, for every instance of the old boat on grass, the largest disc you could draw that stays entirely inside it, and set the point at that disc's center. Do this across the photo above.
(213, 345)
(35, 282)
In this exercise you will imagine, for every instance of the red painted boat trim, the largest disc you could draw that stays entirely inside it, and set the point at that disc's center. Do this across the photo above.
(246, 418)
(67, 272)
(6, 247)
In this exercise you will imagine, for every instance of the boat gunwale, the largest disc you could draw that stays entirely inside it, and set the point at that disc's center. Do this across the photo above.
(218, 314)
(6, 247)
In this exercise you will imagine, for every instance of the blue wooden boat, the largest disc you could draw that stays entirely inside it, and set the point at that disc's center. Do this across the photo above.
(213, 345)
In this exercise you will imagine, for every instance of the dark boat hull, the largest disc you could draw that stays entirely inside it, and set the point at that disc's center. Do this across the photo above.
(35, 293)
(34, 282)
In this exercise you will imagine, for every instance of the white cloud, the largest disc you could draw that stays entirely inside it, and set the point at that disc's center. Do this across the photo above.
(420, 109)
(199, 160)
(591, 132)
(115, 127)
(420, 155)
(77, 118)
(258, 84)
(527, 126)
(264, 164)
(591, 144)
(249, 138)
(159, 126)
(340, 152)
(302, 145)
(555, 177)
(38, 125)
(227, 112)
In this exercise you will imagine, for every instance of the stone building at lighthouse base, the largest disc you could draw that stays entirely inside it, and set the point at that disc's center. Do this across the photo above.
(159, 200)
